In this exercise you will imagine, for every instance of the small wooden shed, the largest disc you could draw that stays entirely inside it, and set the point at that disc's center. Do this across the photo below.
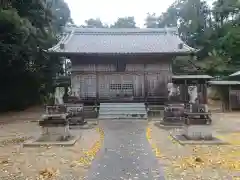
(229, 93)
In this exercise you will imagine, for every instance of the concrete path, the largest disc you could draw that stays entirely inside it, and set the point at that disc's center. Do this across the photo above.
(126, 153)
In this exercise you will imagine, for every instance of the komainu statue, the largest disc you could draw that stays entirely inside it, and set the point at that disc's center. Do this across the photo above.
(59, 93)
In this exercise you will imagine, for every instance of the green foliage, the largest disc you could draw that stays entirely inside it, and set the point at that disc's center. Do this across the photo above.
(94, 23)
(215, 63)
(124, 22)
(151, 21)
(215, 31)
(26, 71)
(48, 99)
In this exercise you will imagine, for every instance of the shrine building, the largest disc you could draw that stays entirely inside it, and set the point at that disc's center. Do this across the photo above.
(120, 65)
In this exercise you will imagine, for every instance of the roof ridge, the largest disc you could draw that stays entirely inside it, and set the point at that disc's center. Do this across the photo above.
(123, 33)
(172, 30)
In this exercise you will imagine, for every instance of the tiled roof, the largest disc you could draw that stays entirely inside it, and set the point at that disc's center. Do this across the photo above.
(121, 40)
(192, 77)
(235, 74)
(224, 82)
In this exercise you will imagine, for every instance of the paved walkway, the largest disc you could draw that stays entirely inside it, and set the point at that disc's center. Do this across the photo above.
(126, 153)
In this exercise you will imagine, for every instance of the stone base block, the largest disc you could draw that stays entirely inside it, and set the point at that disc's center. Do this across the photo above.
(36, 143)
(55, 133)
(77, 121)
(198, 132)
(181, 139)
(171, 123)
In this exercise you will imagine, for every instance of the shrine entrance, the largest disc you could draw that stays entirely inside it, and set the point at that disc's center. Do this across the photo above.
(116, 86)
(121, 90)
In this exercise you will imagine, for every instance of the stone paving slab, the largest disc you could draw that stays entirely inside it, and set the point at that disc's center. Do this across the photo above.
(36, 143)
(183, 141)
(126, 153)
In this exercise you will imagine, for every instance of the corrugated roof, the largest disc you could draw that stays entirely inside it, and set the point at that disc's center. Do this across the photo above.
(192, 77)
(224, 82)
(129, 40)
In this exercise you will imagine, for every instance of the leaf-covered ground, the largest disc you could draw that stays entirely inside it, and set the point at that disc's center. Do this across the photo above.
(179, 162)
(200, 161)
(50, 162)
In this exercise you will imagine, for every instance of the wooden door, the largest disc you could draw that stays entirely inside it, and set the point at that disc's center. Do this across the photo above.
(88, 86)
(138, 85)
(157, 84)
(127, 87)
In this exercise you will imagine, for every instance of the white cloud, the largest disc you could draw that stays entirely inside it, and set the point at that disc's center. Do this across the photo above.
(109, 10)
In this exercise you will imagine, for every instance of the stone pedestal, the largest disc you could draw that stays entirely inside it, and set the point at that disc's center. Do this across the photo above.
(55, 127)
(198, 132)
(173, 114)
(76, 114)
(77, 120)
(54, 117)
(56, 133)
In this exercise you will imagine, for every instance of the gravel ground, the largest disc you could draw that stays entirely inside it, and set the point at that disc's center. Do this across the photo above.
(201, 161)
(31, 114)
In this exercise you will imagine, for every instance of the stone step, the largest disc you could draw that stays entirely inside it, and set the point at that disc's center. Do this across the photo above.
(122, 111)
(119, 105)
(110, 116)
(123, 107)
(122, 103)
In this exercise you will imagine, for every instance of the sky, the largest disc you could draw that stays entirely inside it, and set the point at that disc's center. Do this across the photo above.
(109, 10)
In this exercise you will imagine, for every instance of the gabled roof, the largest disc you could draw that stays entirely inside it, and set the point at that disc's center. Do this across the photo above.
(121, 40)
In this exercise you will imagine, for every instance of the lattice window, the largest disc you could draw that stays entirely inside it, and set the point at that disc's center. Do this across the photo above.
(127, 86)
(121, 86)
(102, 86)
(115, 86)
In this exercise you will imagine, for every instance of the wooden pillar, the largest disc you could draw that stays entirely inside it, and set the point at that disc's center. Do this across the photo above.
(145, 84)
(229, 99)
(203, 91)
(97, 86)
(186, 99)
(222, 98)
(145, 87)
(182, 92)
